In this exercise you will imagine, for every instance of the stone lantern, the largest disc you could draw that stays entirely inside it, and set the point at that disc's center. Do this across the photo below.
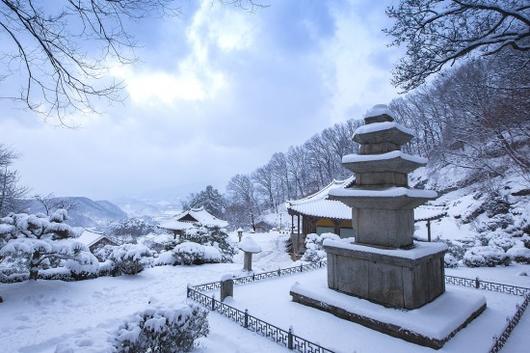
(249, 247)
(239, 233)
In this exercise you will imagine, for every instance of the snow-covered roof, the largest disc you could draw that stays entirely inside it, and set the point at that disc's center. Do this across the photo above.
(355, 158)
(323, 193)
(202, 217)
(90, 238)
(427, 211)
(318, 205)
(176, 225)
(324, 208)
(379, 109)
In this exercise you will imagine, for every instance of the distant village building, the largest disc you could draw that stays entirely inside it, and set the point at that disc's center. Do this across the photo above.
(94, 241)
(195, 216)
(317, 214)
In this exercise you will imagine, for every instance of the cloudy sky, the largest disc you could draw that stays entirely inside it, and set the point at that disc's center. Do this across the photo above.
(216, 91)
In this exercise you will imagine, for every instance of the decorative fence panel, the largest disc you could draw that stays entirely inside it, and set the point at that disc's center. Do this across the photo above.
(291, 341)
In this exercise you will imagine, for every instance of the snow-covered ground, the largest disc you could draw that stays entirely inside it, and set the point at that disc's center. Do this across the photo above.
(40, 316)
(275, 306)
(71, 317)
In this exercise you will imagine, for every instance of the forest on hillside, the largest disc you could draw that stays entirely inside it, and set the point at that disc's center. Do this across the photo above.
(474, 116)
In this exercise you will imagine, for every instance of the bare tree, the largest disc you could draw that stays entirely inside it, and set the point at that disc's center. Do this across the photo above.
(241, 189)
(440, 32)
(265, 181)
(50, 203)
(10, 190)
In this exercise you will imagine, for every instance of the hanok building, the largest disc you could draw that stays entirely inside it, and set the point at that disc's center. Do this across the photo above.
(316, 213)
(94, 241)
(194, 216)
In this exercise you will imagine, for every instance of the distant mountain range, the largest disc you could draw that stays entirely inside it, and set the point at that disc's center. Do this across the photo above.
(82, 211)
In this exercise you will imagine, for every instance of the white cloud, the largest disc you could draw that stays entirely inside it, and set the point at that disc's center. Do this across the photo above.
(195, 77)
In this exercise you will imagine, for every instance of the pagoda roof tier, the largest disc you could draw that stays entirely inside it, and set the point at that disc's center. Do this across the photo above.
(378, 113)
(394, 161)
(388, 131)
(388, 198)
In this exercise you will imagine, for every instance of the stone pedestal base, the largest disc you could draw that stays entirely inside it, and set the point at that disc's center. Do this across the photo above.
(395, 278)
(431, 325)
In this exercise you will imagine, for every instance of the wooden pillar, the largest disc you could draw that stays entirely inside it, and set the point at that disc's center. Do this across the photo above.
(429, 229)
(336, 223)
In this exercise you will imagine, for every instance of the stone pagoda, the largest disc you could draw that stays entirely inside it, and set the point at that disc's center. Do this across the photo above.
(384, 265)
(381, 278)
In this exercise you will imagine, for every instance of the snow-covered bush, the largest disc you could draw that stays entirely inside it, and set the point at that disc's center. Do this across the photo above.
(126, 259)
(165, 258)
(190, 253)
(526, 241)
(134, 227)
(480, 256)
(519, 254)
(39, 241)
(313, 243)
(504, 243)
(84, 266)
(450, 261)
(163, 330)
(213, 236)
(159, 241)
(456, 249)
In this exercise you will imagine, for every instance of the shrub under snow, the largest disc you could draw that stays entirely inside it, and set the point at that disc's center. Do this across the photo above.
(213, 236)
(163, 330)
(450, 261)
(84, 266)
(313, 243)
(504, 243)
(481, 256)
(126, 259)
(519, 254)
(190, 253)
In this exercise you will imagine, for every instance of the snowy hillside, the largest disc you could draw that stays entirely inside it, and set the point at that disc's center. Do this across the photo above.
(83, 211)
(478, 206)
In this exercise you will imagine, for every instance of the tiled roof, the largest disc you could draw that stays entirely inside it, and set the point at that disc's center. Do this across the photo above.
(176, 225)
(203, 217)
(323, 208)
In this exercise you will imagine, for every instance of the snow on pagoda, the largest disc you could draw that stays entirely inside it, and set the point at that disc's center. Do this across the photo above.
(382, 263)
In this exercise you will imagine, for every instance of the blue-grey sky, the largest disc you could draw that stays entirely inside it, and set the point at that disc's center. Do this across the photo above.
(215, 92)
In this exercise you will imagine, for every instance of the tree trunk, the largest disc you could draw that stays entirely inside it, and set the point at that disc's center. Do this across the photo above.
(34, 266)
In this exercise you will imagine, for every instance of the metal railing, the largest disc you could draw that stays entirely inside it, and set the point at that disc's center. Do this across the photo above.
(499, 342)
(252, 323)
(294, 342)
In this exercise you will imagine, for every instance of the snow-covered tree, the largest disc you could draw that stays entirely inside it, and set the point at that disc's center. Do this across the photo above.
(163, 330)
(213, 236)
(440, 32)
(210, 198)
(10, 190)
(38, 239)
(134, 227)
